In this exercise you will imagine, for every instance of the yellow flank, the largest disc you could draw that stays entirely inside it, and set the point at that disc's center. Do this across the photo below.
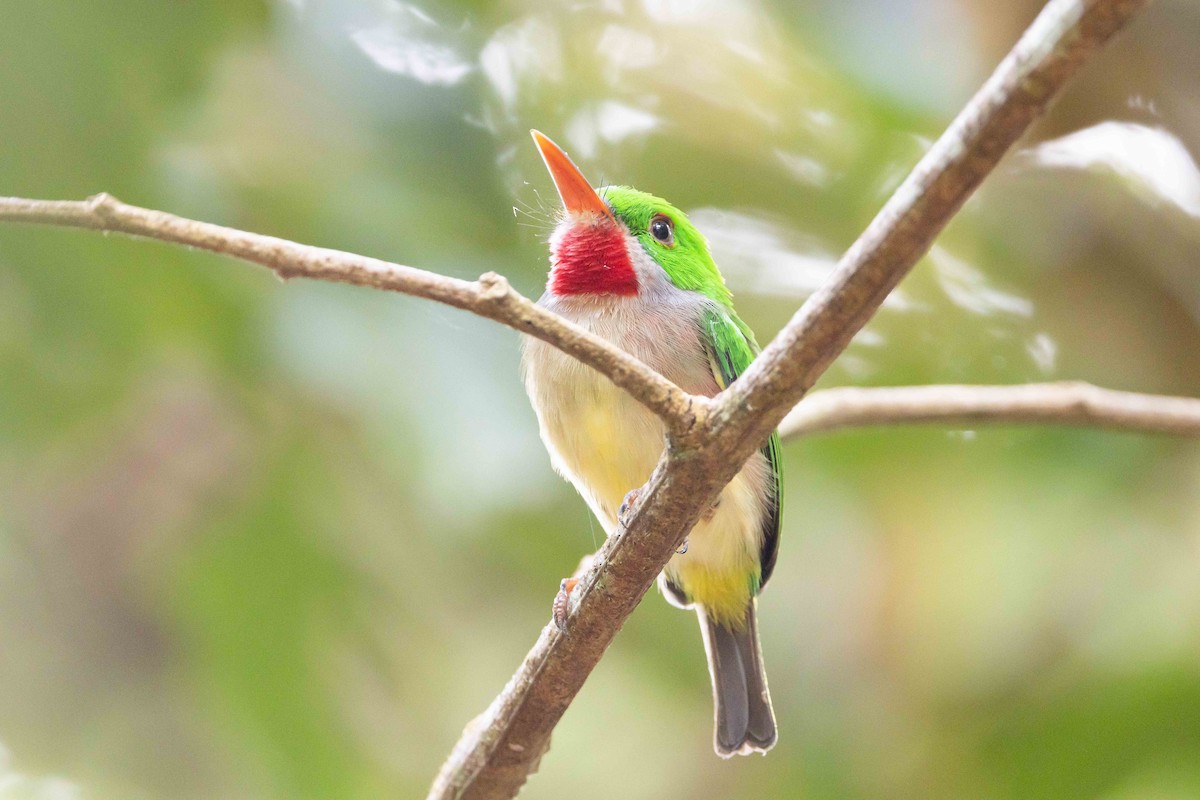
(724, 593)
(607, 444)
(605, 464)
(612, 455)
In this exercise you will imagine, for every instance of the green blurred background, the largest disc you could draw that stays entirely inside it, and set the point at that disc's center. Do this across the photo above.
(283, 541)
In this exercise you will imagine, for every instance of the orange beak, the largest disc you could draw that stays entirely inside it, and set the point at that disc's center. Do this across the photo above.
(578, 197)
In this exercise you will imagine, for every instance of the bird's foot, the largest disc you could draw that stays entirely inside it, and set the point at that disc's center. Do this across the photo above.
(682, 548)
(627, 505)
(565, 602)
(562, 603)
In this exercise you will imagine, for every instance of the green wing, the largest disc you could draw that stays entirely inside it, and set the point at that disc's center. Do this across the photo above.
(731, 348)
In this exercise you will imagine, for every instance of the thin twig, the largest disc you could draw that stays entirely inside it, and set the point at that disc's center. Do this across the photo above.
(1066, 403)
(490, 296)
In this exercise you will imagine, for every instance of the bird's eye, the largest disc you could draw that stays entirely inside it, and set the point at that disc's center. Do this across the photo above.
(663, 229)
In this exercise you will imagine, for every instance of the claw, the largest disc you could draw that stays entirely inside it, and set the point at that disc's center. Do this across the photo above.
(682, 548)
(562, 603)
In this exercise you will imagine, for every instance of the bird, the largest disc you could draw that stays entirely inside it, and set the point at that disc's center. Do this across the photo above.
(631, 268)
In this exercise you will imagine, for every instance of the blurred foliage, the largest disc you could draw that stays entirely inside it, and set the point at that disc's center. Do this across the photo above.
(276, 541)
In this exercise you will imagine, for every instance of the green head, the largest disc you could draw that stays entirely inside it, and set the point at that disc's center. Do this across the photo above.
(622, 242)
(670, 239)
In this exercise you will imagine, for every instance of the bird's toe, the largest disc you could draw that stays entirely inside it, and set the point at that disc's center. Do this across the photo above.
(562, 603)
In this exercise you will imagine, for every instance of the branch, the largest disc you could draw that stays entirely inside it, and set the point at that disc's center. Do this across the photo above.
(504, 745)
(1062, 38)
(1071, 403)
(490, 296)
(501, 747)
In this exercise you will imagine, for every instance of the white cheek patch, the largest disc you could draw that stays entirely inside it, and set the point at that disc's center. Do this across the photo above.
(652, 280)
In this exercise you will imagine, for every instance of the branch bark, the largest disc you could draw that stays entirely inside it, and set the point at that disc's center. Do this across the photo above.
(490, 296)
(1062, 38)
(1066, 403)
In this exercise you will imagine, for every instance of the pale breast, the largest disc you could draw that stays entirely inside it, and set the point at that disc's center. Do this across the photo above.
(601, 439)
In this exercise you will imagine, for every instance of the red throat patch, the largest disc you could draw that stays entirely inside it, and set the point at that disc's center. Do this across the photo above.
(590, 258)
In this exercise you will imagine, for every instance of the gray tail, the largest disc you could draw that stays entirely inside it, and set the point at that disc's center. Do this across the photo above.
(745, 722)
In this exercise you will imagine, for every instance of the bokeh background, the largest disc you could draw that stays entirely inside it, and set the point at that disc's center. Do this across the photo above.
(283, 541)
